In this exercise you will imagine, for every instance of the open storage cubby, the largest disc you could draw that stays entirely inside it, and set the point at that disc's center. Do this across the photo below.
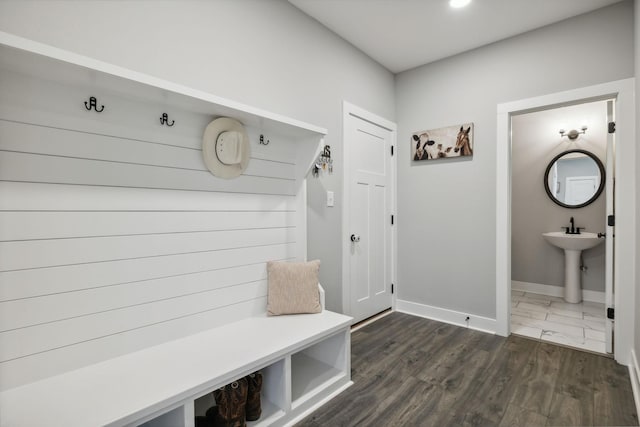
(272, 397)
(317, 367)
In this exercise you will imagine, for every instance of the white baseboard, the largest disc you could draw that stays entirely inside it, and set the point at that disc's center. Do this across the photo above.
(479, 323)
(554, 291)
(634, 371)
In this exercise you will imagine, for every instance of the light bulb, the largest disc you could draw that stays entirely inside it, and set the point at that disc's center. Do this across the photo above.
(459, 3)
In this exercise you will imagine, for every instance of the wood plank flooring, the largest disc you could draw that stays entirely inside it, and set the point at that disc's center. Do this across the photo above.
(410, 371)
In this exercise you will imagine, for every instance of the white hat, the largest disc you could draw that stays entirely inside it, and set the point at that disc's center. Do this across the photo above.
(225, 148)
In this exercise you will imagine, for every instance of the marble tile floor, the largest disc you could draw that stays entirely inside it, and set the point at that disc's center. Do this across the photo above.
(552, 319)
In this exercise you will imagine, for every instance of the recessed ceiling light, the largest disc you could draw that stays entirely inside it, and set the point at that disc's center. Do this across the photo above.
(459, 3)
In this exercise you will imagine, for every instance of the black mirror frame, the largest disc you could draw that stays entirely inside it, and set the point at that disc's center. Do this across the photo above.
(598, 191)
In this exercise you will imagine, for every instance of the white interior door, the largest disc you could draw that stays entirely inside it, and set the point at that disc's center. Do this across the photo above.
(579, 189)
(369, 204)
(610, 229)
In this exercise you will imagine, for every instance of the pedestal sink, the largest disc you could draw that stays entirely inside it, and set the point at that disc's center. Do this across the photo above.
(573, 245)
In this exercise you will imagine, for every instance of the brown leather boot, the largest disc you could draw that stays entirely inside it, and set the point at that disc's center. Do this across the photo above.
(254, 409)
(202, 421)
(231, 401)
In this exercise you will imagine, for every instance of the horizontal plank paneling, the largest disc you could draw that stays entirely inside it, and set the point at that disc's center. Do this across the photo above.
(61, 142)
(270, 169)
(28, 100)
(46, 253)
(121, 117)
(20, 196)
(278, 149)
(32, 311)
(113, 234)
(27, 369)
(26, 138)
(23, 167)
(46, 281)
(54, 225)
(26, 341)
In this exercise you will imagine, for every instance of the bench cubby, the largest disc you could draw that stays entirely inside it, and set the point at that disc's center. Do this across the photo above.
(317, 367)
(273, 396)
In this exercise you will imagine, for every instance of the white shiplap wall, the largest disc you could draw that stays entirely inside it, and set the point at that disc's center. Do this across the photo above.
(113, 234)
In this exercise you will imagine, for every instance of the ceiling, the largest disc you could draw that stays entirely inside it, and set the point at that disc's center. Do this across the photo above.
(403, 34)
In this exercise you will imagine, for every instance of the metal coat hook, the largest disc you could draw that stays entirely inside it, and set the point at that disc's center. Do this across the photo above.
(93, 103)
(324, 162)
(262, 140)
(164, 120)
(326, 152)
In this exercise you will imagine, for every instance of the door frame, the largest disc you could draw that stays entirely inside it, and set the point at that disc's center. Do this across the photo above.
(348, 110)
(625, 207)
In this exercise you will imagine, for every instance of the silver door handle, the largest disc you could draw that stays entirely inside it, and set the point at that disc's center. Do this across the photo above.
(355, 238)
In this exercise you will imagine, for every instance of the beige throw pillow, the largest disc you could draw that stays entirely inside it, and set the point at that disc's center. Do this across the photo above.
(293, 288)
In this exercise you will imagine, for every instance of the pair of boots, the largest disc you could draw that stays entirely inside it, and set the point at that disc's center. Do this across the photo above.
(236, 403)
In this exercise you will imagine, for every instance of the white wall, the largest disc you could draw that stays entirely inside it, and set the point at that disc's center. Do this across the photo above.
(535, 141)
(263, 53)
(446, 209)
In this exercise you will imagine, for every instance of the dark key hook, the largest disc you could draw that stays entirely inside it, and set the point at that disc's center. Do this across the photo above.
(164, 120)
(93, 103)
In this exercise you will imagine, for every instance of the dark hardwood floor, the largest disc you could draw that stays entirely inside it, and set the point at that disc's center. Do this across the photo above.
(410, 371)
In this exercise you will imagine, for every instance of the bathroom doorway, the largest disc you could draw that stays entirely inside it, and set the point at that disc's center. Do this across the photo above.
(558, 176)
(624, 264)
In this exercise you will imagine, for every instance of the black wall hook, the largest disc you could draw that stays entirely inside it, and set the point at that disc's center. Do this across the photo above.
(93, 103)
(164, 120)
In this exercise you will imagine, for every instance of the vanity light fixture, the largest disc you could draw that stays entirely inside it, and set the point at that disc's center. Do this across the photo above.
(458, 3)
(573, 134)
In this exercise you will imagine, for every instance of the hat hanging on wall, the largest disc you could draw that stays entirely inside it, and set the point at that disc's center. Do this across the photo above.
(225, 148)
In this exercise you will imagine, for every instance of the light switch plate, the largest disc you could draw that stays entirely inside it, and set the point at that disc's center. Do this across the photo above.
(330, 199)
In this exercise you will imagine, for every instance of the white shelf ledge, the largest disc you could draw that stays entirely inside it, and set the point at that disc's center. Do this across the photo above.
(28, 57)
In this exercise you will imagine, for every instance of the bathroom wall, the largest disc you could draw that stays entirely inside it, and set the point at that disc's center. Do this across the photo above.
(535, 142)
(446, 209)
(266, 54)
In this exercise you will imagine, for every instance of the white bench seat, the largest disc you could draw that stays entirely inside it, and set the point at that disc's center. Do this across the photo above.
(139, 386)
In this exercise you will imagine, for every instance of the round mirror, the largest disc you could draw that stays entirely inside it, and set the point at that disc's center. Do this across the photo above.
(574, 178)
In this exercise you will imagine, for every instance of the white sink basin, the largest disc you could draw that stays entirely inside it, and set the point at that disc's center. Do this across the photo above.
(573, 245)
(573, 242)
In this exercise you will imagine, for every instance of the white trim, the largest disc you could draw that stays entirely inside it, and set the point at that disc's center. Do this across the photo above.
(354, 110)
(478, 323)
(349, 109)
(634, 371)
(370, 320)
(555, 291)
(625, 245)
(503, 225)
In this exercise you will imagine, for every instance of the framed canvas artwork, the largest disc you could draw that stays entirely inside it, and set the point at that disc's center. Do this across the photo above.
(451, 141)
